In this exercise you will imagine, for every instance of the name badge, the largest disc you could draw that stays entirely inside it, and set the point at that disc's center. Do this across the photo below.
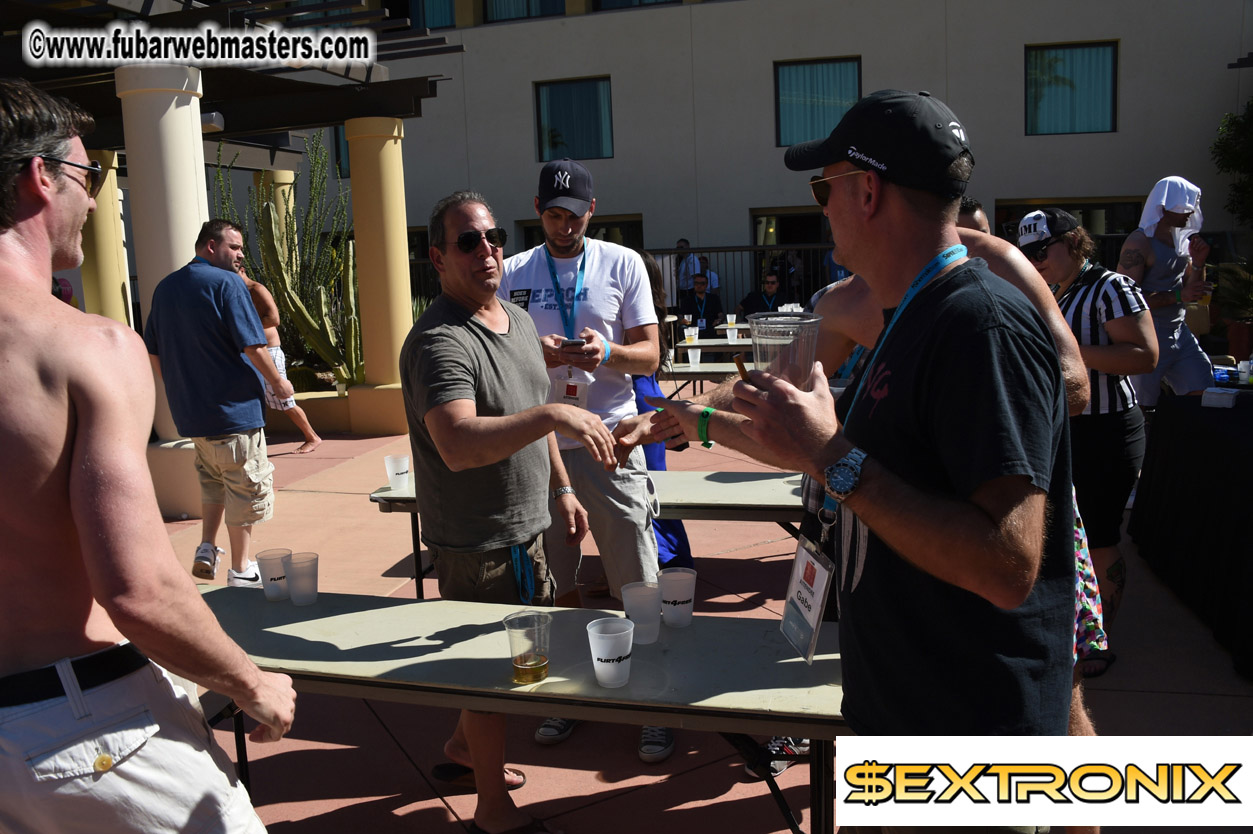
(806, 598)
(700, 324)
(570, 392)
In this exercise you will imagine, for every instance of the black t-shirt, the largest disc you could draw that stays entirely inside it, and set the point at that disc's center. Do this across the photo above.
(709, 308)
(966, 388)
(758, 302)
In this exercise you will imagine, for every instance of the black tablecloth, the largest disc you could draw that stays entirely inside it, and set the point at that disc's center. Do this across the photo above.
(1193, 514)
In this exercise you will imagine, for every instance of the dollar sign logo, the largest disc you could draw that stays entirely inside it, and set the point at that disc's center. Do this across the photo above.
(871, 779)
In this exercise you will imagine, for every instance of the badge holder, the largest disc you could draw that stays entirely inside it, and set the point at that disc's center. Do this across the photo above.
(807, 593)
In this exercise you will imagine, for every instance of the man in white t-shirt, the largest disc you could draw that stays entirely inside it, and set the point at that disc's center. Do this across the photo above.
(594, 297)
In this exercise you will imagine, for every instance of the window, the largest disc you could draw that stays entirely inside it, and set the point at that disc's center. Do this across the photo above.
(812, 96)
(606, 5)
(1071, 89)
(574, 119)
(497, 10)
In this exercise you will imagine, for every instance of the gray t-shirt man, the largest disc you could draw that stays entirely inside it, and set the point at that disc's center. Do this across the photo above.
(449, 355)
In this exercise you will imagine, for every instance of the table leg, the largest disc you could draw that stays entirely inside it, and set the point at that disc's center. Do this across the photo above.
(415, 532)
(821, 786)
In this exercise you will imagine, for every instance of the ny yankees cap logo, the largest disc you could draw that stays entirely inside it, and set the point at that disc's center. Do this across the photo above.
(562, 181)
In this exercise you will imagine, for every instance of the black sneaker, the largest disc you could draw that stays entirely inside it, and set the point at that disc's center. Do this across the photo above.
(555, 730)
(781, 746)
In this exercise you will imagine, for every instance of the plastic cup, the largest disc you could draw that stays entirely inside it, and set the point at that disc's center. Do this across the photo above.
(273, 567)
(528, 644)
(732, 334)
(1242, 368)
(689, 334)
(731, 319)
(302, 578)
(693, 357)
(397, 470)
(784, 344)
(678, 592)
(687, 320)
(610, 640)
(642, 601)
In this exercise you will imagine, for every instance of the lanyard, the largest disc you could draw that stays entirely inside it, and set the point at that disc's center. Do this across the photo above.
(702, 307)
(928, 272)
(568, 318)
(769, 304)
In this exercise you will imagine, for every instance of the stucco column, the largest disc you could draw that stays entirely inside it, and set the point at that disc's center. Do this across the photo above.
(168, 204)
(165, 172)
(282, 182)
(106, 279)
(379, 222)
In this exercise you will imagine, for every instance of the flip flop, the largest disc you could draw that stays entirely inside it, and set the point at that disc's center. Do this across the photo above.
(1105, 659)
(454, 773)
(532, 827)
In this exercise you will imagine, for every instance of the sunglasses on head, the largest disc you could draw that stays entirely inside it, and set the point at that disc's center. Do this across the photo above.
(469, 241)
(1042, 253)
(95, 174)
(821, 186)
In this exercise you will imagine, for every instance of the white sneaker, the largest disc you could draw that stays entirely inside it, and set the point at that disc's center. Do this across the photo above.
(249, 577)
(205, 565)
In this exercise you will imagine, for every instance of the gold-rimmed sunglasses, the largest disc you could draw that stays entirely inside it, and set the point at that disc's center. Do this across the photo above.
(821, 186)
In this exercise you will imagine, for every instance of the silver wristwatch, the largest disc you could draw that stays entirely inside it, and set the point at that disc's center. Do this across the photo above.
(560, 491)
(844, 474)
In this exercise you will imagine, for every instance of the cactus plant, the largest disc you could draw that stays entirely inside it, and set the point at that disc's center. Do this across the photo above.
(308, 265)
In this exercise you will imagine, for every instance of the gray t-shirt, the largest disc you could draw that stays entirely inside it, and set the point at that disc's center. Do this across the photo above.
(449, 355)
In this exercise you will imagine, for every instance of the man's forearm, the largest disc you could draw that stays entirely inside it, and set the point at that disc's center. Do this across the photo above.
(260, 357)
(639, 359)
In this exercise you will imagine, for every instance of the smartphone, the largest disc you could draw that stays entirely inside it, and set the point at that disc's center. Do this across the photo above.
(565, 343)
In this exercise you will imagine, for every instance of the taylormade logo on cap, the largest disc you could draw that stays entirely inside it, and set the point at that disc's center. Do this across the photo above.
(853, 153)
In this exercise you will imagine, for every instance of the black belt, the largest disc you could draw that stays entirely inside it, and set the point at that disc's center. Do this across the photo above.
(92, 670)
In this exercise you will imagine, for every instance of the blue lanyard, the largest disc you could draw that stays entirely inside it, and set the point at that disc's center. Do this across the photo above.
(846, 370)
(928, 272)
(702, 307)
(769, 304)
(568, 318)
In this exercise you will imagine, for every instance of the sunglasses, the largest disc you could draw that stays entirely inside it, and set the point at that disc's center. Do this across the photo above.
(821, 186)
(95, 174)
(1042, 253)
(469, 241)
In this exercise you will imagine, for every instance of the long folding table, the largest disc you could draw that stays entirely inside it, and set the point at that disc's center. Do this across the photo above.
(720, 674)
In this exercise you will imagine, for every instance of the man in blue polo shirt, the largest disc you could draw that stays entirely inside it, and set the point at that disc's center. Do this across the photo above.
(206, 343)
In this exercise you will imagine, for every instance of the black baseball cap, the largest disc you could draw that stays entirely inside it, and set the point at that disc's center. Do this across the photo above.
(910, 139)
(1041, 226)
(565, 184)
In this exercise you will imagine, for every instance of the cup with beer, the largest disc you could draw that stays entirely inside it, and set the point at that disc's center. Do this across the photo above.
(528, 644)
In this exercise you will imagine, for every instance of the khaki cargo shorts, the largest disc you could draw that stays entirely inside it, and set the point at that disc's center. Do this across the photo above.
(235, 472)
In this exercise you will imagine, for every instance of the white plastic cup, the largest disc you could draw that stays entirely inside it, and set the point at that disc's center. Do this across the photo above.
(302, 578)
(693, 357)
(785, 344)
(731, 319)
(397, 471)
(732, 334)
(642, 601)
(1243, 368)
(678, 593)
(610, 639)
(273, 567)
(689, 334)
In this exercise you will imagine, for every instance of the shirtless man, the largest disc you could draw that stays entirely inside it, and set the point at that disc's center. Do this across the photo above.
(267, 309)
(87, 563)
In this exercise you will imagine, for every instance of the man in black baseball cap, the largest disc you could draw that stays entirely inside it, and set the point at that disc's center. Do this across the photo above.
(947, 472)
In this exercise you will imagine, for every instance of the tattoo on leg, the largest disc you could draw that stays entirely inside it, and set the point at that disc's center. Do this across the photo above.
(1117, 573)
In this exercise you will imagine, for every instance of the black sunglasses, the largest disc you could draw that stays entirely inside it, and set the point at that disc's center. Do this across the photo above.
(469, 241)
(95, 174)
(1042, 253)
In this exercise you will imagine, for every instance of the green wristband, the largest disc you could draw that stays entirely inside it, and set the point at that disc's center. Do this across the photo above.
(1179, 296)
(702, 427)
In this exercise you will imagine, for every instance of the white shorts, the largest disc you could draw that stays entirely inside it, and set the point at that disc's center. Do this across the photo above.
(271, 399)
(163, 771)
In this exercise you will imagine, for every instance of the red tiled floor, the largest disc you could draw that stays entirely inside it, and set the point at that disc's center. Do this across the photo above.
(359, 766)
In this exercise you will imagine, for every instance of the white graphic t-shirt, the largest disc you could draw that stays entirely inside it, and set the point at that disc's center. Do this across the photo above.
(615, 297)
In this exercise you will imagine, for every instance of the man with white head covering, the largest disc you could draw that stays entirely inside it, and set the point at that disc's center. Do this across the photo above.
(1166, 257)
